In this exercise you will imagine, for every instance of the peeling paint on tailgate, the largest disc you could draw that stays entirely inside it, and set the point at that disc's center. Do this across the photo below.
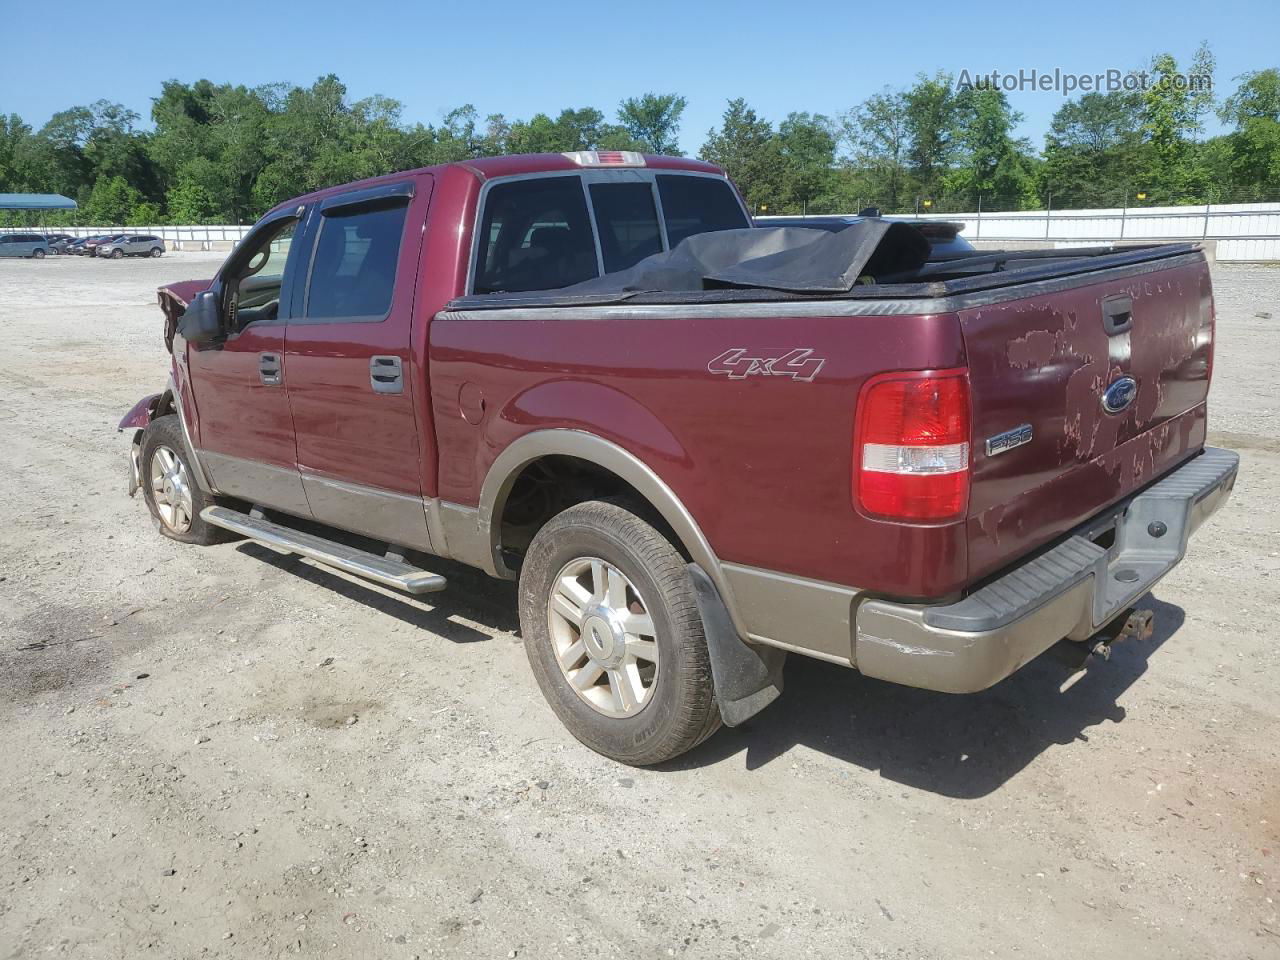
(1047, 361)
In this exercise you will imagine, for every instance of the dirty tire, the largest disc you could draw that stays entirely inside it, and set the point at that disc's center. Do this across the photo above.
(681, 711)
(167, 432)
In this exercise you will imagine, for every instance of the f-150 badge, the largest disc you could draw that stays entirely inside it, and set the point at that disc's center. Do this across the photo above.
(737, 364)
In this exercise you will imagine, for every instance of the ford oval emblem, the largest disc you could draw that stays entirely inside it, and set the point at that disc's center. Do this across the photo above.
(1120, 395)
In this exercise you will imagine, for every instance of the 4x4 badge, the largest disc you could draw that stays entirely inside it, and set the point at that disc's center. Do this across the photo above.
(799, 364)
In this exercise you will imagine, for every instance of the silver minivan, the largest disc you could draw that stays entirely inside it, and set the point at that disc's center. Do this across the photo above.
(23, 245)
(131, 245)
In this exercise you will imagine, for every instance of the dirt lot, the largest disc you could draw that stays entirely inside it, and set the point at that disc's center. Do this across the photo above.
(184, 777)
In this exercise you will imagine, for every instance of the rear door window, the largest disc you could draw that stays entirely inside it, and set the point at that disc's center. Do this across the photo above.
(353, 273)
(693, 205)
(535, 235)
(627, 221)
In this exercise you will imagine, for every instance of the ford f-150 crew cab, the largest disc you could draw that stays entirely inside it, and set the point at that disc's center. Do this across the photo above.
(932, 476)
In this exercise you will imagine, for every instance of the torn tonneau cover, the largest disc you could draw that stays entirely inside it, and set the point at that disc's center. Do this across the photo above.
(796, 260)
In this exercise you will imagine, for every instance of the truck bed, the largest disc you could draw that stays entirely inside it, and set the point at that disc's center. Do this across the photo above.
(968, 277)
(764, 461)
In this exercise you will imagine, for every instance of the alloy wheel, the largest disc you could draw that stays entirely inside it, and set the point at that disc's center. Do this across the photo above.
(171, 489)
(603, 637)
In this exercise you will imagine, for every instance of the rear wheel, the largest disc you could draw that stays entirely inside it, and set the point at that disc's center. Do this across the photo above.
(156, 251)
(169, 486)
(614, 636)
(38, 254)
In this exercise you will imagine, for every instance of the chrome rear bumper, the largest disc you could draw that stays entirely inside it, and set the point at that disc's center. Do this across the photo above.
(1072, 590)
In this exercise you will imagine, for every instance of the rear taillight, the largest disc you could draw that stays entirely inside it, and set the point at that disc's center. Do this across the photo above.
(911, 446)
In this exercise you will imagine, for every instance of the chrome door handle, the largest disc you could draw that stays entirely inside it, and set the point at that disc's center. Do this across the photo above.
(269, 369)
(386, 374)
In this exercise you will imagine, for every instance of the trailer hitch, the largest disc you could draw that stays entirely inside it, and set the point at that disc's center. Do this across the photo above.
(1133, 625)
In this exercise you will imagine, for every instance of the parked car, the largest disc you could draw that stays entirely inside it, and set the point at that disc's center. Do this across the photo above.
(59, 242)
(943, 235)
(932, 479)
(131, 245)
(30, 245)
(91, 245)
(75, 247)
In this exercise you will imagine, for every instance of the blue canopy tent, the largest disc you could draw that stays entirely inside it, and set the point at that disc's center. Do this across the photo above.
(35, 201)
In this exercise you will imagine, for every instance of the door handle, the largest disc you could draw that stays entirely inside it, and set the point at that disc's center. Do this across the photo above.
(386, 375)
(1117, 314)
(269, 369)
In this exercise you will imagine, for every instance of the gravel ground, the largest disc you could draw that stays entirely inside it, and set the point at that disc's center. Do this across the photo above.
(229, 753)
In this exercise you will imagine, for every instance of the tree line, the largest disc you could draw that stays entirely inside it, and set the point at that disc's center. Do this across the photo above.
(223, 153)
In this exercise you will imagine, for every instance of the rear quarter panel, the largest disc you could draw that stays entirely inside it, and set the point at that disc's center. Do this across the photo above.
(763, 463)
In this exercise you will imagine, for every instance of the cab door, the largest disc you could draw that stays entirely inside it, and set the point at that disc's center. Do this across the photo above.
(244, 425)
(351, 379)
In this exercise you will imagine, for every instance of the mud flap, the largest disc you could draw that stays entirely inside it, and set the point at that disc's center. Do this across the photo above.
(747, 678)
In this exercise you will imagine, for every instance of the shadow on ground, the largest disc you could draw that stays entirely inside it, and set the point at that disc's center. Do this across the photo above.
(471, 595)
(963, 746)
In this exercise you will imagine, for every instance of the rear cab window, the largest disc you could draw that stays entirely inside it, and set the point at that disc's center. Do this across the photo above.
(627, 221)
(694, 205)
(543, 232)
(535, 234)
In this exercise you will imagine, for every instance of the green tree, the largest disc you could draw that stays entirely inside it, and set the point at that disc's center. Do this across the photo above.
(190, 202)
(1092, 152)
(989, 160)
(111, 202)
(878, 134)
(653, 120)
(749, 151)
(931, 113)
(144, 214)
(807, 145)
(1252, 151)
(1173, 115)
(16, 149)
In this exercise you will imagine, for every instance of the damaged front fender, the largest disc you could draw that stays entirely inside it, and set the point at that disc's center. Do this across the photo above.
(140, 415)
(137, 420)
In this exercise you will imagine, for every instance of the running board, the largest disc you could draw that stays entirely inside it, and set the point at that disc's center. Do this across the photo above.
(370, 566)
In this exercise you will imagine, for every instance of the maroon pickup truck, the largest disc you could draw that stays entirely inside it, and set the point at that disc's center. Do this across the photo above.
(932, 476)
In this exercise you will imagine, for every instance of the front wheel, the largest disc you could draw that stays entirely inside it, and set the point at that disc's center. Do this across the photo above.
(613, 633)
(117, 254)
(169, 486)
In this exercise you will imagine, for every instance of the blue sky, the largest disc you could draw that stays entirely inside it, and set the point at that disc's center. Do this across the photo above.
(519, 59)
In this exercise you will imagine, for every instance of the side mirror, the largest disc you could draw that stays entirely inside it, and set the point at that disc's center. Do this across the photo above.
(202, 320)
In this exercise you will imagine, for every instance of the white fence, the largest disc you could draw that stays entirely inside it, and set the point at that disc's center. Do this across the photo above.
(198, 237)
(1242, 231)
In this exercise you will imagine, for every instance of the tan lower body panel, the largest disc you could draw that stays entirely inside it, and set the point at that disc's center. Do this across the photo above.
(806, 616)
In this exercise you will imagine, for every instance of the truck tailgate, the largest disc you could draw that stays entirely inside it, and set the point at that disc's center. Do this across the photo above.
(1046, 362)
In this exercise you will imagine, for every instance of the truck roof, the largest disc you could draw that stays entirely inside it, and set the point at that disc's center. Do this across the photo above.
(512, 165)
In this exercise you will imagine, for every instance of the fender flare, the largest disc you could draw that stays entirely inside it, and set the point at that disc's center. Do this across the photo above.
(617, 460)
